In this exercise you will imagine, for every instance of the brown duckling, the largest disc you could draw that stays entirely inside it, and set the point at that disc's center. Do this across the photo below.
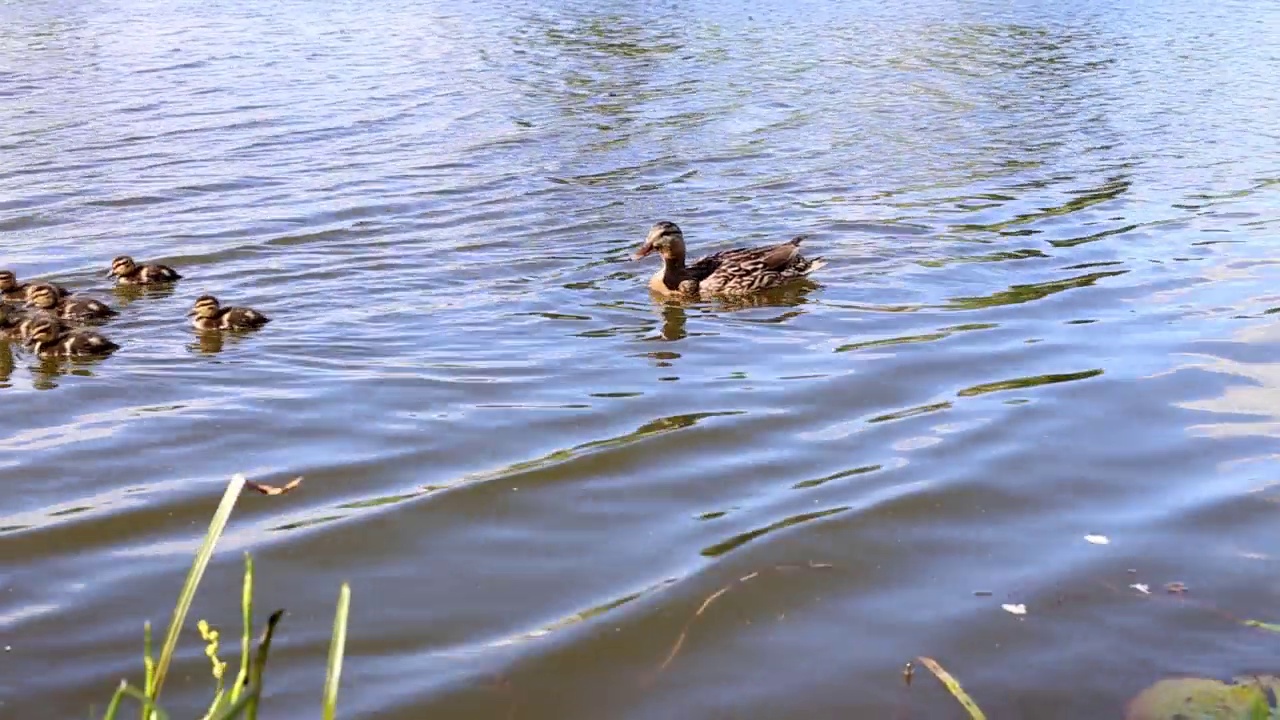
(127, 272)
(10, 289)
(208, 314)
(738, 271)
(68, 307)
(47, 337)
(11, 318)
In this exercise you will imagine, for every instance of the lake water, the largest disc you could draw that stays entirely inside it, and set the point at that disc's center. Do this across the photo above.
(1052, 232)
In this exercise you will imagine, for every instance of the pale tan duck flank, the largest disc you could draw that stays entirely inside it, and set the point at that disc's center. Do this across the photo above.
(128, 272)
(738, 271)
(44, 296)
(208, 314)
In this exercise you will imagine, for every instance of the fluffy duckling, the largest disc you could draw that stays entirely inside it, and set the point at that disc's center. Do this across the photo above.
(68, 307)
(738, 271)
(46, 337)
(208, 314)
(11, 318)
(127, 272)
(11, 289)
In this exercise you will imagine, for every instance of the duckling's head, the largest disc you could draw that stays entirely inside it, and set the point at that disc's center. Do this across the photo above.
(122, 265)
(8, 315)
(8, 280)
(206, 306)
(42, 295)
(41, 331)
(666, 238)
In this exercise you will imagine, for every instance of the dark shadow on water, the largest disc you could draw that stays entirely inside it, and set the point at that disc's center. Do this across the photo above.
(941, 334)
(911, 412)
(1110, 190)
(741, 539)
(660, 426)
(804, 484)
(1017, 294)
(1029, 381)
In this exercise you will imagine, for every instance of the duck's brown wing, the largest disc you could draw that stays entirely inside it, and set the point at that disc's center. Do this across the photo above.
(86, 342)
(744, 270)
(243, 317)
(770, 257)
(82, 308)
(701, 268)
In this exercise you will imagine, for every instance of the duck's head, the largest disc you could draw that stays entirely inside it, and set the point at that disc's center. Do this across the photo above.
(42, 295)
(122, 265)
(8, 280)
(664, 237)
(206, 306)
(41, 331)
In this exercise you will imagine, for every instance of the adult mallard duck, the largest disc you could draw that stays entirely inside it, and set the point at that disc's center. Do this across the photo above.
(68, 307)
(127, 272)
(208, 314)
(47, 337)
(738, 271)
(11, 290)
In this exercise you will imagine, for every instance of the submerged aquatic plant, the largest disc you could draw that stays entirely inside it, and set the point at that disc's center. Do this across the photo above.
(241, 699)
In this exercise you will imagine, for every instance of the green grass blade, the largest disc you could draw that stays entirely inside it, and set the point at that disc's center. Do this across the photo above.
(149, 708)
(216, 526)
(337, 646)
(246, 637)
(1265, 626)
(238, 707)
(953, 686)
(260, 665)
(114, 706)
(148, 661)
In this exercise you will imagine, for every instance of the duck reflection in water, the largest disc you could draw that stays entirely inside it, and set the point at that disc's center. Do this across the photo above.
(127, 294)
(674, 319)
(792, 298)
(46, 369)
(208, 342)
(6, 361)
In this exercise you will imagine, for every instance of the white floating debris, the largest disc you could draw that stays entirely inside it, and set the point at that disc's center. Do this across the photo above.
(1143, 588)
(1018, 609)
(1098, 539)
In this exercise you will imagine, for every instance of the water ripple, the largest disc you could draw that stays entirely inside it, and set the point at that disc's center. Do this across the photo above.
(1049, 311)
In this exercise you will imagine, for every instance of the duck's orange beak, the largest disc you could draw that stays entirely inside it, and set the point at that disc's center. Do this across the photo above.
(644, 250)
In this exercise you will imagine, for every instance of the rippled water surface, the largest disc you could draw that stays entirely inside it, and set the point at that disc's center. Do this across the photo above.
(1051, 230)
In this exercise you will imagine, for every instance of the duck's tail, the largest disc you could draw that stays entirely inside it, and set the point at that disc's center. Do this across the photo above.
(807, 265)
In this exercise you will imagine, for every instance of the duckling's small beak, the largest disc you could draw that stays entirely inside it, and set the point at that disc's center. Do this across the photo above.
(644, 250)
(191, 312)
(111, 273)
